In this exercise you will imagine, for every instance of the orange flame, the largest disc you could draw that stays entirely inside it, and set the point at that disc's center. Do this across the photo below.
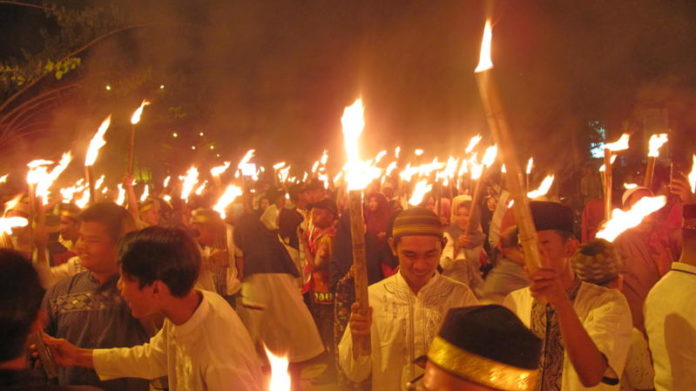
(219, 170)
(190, 180)
(544, 188)
(623, 220)
(530, 166)
(353, 123)
(280, 377)
(490, 155)
(473, 142)
(418, 152)
(83, 200)
(618, 145)
(97, 142)
(603, 167)
(419, 192)
(485, 61)
(165, 182)
(11, 204)
(135, 118)
(121, 197)
(39, 175)
(8, 223)
(629, 186)
(692, 174)
(201, 188)
(146, 194)
(3, 179)
(231, 193)
(656, 142)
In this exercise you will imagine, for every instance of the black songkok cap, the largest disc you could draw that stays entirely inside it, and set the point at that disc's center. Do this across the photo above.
(551, 216)
(487, 345)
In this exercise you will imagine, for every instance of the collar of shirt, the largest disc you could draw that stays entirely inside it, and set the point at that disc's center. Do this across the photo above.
(195, 321)
(683, 268)
(424, 290)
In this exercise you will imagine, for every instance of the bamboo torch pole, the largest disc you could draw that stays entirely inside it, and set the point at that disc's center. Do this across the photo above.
(608, 179)
(353, 124)
(501, 134)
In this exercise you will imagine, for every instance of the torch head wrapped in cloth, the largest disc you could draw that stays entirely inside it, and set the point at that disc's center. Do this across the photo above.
(596, 262)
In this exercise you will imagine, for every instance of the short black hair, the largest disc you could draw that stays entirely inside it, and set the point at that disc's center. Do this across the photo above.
(156, 253)
(117, 220)
(20, 299)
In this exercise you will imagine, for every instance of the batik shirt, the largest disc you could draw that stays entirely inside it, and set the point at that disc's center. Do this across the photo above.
(91, 316)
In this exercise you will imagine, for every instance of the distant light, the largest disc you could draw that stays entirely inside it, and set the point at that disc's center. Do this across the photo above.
(201, 134)
(193, 147)
(161, 86)
(175, 134)
(212, 147)
(218, 155)
(108, 87)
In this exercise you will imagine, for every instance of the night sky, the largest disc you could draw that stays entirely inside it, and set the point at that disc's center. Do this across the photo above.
(276, 75)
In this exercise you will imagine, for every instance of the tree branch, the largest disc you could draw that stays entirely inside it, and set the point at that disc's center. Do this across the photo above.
(23, 4)
(82, 48)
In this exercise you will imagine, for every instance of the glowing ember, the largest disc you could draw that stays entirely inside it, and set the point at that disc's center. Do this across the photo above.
(189, 181)
(419, 192)
(530, 166)
(231, 193)
(485, 62)
(656, 142)
(473, 143)
(692, 174)
(146, 194)
(544, 188)
(219, 170)
(489, 155)
(97, 142)
(280, 377)
(8, 223)
(619, 145)
(623, 220)
(135, 118)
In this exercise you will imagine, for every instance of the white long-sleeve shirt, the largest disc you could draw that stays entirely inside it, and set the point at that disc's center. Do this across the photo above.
(212, 351)
(670, 321)
(605, 315)
(403, 326)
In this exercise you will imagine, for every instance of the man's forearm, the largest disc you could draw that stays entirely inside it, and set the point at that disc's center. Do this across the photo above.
(84, 358)
(589, 363)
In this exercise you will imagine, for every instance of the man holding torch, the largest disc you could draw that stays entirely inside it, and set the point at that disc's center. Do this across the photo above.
(406, 309)
(586, 329)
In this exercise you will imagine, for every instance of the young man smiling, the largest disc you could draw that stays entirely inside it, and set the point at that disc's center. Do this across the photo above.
(406, 308)
(86, 308)
(202, 345)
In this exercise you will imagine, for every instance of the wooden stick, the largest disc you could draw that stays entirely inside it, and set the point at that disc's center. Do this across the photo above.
(501, 134)
(357, 234)
(131, 151)
(649, 172)
(607, 184)
(89, 174)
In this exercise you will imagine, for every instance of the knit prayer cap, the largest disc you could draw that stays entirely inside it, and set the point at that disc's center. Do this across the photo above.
(417, 221)
(551, 216)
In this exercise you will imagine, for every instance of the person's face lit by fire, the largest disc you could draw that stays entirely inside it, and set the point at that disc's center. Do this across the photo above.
(461, 218)
(96, 248)
(322, 218)
(372, 204)
(418, 256)
(69, 228)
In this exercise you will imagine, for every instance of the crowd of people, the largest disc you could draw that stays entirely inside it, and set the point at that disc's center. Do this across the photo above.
(175, 296)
